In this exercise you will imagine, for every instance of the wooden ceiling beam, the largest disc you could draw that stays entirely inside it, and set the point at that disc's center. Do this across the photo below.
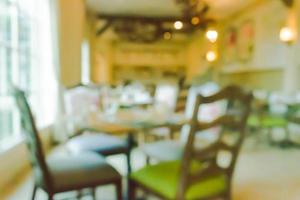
(288, 3)
(104, 28)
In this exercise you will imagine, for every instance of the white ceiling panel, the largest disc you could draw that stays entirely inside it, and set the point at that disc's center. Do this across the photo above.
(152, 8)
(224, 8)
(162, 8)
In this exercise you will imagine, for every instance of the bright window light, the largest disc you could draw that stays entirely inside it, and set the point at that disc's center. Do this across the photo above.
(85, 62)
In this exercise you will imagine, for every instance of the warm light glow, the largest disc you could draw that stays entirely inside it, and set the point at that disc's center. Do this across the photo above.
(195, 20)
(211, 56)
(287, 35)
(212, 35)
(178, 25)
(167, 35)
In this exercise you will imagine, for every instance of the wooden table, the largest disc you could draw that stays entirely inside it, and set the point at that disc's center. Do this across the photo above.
(262, 106)
(134, 120)
(137, 103)
(292, 117)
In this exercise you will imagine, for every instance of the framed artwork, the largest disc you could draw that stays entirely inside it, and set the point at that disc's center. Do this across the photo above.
(246, 41)
(230, 45)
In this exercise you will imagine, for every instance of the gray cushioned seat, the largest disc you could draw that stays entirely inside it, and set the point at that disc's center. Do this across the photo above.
(160, 132)
(168, 150)
(97, 142)
(165, 150)
(80, 170)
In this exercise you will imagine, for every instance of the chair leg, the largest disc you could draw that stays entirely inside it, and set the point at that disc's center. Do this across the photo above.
(119, 189)
(131, 190)
(270, 136)
(287, 133)
(34, 192)
(79, 194)
(128, 160)
(130, 142)
(94, 196)
(228, 196)
(50, 197)
(148, 160)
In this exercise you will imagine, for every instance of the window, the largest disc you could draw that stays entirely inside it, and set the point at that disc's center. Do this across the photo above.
(25, 61)
(85, 62)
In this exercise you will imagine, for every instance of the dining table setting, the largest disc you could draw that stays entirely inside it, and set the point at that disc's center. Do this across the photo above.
(135, 120)
(274, 109)
(122, 110)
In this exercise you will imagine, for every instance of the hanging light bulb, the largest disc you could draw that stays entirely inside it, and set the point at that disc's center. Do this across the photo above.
(211, 56)
(167, 35)
(287, 34)
(178, 25)
(195, 20)
(212, 35)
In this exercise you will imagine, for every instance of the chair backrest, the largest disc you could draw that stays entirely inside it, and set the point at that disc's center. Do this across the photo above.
(34, 145)
(182, 96)
(232, 124)
(151, 87)
(80, 98)
(165, 94)
(79, 101)
(207, 113)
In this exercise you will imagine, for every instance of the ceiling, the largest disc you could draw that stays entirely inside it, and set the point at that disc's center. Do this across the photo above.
(161, 8)
(148, 8)
(160, 13)
(223, 8)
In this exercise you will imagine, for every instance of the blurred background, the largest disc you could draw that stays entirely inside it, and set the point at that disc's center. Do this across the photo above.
(140, 54)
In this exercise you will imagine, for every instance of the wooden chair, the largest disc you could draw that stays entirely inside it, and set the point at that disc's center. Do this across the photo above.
(183, 91)
(63, 173)
(173, 148)
(201, 173)
(262, 118)
(180, 104)
(94, 140)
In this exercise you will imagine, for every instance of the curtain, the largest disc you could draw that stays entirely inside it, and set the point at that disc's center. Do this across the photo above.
(60, 133)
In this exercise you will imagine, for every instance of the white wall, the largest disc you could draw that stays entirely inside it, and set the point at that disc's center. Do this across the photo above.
(269, 52)
(71, 18)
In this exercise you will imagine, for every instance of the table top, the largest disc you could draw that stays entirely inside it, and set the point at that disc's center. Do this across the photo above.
(133, 120)
(135, 103)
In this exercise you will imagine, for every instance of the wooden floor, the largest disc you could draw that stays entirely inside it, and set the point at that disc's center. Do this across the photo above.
(262, 173)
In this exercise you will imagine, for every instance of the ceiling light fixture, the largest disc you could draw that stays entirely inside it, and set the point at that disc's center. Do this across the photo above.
(178, 25)
(167, 35)
(212, 35)
(195, 20)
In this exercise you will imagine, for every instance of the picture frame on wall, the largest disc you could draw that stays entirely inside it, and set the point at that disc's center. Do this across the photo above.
(246, 40)
(230, 45)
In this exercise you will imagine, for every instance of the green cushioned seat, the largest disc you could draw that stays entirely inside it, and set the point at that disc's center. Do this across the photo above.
(163, 178)
(267, 121)
(253, 121)
(274, 121)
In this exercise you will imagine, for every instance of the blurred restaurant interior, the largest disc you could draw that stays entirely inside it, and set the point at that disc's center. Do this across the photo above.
(141, 99)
